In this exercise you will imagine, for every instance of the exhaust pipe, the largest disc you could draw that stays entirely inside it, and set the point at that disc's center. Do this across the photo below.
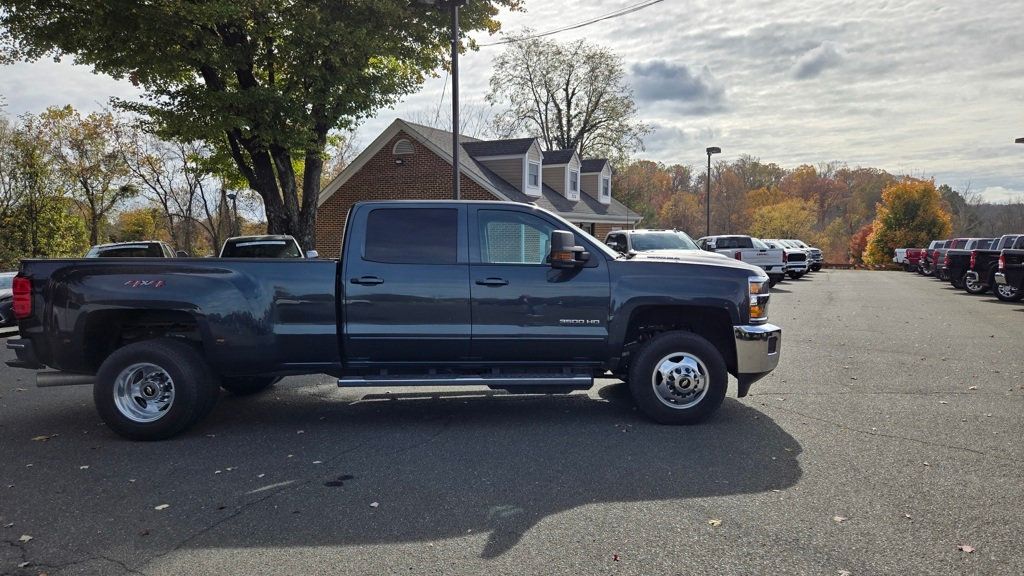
(48, 378)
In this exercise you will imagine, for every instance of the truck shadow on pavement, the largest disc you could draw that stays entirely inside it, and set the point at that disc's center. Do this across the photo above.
(299, 466)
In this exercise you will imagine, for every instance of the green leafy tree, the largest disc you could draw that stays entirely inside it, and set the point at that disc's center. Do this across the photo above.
(266, 81)
(911, 213)
(86, 152)
(570, 95)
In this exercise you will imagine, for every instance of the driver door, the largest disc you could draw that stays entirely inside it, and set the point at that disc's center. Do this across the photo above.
(524, 310)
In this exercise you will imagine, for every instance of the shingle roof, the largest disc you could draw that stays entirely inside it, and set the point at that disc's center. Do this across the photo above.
(499, 147)
(593, 165)
(582, 210)
(558, 156)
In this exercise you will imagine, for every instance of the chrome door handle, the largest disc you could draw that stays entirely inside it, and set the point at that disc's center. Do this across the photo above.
(492, 282)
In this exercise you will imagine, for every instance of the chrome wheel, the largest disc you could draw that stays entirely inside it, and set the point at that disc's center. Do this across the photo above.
(971, 285)
(680, 380)
(143, 392)
(1006, 291)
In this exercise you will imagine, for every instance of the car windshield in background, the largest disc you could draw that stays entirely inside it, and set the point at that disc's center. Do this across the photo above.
(758, 244)
(5, 281)
(262, 249)
(128, 251)
(662, 241)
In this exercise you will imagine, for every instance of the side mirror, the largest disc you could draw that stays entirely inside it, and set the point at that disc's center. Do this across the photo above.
(615, 246)
(312, 254)
(564, 251)
(181, 254)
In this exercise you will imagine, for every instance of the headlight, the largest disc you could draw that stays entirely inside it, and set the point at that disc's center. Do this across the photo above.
(758, 292)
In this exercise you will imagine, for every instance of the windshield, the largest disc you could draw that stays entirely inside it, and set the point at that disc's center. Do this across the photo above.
(662, 241)
(261, 249)
(5, 281)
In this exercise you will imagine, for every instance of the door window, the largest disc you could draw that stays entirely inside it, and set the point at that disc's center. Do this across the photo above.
(513, 237)
(412, 236)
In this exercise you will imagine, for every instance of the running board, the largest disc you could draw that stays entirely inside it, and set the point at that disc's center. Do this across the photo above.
(48, 378)
(577, 381)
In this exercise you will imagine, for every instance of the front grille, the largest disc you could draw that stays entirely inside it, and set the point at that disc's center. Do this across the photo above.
(798, 257)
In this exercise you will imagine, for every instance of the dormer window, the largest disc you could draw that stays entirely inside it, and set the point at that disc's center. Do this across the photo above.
(606, 188)
(533, 175)
(574, 181)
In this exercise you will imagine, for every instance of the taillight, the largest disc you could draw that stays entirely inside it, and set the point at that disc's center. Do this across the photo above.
(739, 255)
(935, 255)
(974, 258)
(1002, 261)
(946, 261)
(22, 288)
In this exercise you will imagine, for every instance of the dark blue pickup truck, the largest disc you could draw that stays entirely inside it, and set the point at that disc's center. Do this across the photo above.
(494, 294)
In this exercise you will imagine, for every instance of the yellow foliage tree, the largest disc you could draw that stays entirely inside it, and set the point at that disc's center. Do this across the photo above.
(911, 214)
(138, 224)
(792, 218)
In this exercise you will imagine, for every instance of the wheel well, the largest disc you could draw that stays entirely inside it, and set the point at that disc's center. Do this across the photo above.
(713, 324)
(106, 331)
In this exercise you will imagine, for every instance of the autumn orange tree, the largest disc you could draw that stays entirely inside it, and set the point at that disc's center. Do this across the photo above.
(910, 214)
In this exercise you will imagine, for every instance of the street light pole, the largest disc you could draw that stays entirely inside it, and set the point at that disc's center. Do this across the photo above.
(707, 200)
(453, 8)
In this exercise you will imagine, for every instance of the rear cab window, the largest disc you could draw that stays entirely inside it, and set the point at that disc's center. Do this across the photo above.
(269, 248)
(412, 236)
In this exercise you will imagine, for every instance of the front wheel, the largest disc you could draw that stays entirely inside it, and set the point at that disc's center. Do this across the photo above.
(678, 378)
(1008, 293)
(154, 389)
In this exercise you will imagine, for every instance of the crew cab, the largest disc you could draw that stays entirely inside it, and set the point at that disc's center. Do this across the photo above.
(661, 243)
(940, 271)
(426, 293)
(797, 259)
(814, 254)
(749, 250)
(266, 246)
(140, 249)
(983, 266)
(958, 260)
(1010, 277)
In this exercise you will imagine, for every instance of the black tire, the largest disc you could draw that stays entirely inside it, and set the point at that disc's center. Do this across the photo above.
(250, 385)
(1008, 293)
(193, 386)
(775, 279)
(645, 379)
(973, 287)
(794, 275)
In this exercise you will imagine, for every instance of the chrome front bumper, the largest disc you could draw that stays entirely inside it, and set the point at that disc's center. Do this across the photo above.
(1001, 278)
(757, 353)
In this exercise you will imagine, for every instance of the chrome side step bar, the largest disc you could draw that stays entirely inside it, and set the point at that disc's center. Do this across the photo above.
(579, 381)
(48, 378)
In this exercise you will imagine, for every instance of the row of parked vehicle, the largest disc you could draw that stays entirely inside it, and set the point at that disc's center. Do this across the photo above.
(975, 265)
(273, 246)
(779, 258)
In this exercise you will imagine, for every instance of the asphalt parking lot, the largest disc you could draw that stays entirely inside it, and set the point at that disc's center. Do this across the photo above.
(890, 434)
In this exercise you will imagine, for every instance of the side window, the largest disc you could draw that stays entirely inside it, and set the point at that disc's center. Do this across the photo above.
(513, 237)
(412, 236)
(725, 243)
(743, 243)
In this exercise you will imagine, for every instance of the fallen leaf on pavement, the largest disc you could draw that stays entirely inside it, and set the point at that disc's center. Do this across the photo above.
(965, 548)
(376, 504)
(907, 516)
(9, 525)
(27, 564)
(943, 402)
(714, 522)
(162, 507)
(86, 467)
(927, 464)
(24, 538)
(843, 573)
(44, 437)
(969, 387)
(839, 519)
(615, 557)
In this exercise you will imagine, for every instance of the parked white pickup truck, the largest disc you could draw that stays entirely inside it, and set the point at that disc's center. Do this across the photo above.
(750, 250)
(797, 259)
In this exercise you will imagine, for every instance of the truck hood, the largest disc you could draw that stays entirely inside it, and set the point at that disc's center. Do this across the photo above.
(700, 257)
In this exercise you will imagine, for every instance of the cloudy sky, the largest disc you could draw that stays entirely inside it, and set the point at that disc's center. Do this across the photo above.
(929, 88)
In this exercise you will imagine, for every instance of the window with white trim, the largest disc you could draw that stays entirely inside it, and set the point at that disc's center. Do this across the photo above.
(533, 174)
(574, 181)
(606, 187)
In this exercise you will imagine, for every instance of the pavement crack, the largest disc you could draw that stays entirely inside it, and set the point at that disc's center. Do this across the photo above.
(896, 436)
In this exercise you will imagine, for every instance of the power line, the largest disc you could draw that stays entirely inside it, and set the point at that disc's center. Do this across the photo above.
(608, 16)
(444, 88)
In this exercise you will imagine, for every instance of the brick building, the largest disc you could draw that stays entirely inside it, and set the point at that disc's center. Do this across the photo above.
(413, 162)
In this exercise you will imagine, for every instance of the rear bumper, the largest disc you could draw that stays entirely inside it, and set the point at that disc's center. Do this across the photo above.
(26, 354)
(757, 353)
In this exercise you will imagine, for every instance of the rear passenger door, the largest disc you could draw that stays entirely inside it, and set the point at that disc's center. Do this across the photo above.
(406, 285)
